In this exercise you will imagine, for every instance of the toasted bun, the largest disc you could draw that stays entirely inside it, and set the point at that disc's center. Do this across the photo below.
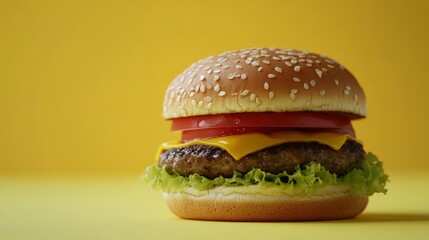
(264, 80)
(253, 207)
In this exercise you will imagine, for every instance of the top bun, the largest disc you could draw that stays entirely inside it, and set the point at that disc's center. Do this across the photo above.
(264, 80)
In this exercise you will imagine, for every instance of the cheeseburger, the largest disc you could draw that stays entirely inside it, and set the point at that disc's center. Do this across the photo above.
(266, 136)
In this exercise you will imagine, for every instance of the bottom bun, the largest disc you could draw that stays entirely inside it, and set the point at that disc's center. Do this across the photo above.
(257, 207)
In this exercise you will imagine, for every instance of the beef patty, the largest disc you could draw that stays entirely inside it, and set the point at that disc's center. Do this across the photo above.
(212, 162)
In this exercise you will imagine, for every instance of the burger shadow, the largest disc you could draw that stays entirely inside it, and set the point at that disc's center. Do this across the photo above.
(387, 217)
(368, 217)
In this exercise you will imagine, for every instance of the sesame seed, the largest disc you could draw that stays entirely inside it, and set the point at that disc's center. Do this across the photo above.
(207, 67)
(243, 76)
(202, 77)
(208, 99)
(336, 82)
(322, 92)
(252, 97)
(276, 58)
(309, 64)
(218, 64)
(306, 86)
(243, 55)
(217, 88)
(237, 75)
(231, 76)
(260, 69)
(271, 75)
(191, 94)
(209, 71)
(292, 96)
(194, 74)
(295, 79)
(248, 61)
(297, 68)
(203, 87)
(313, 83)
(200, 103)
(342, 67)
(346, 92)
(194, 103)
(266, 61)
(319, 73)
(255, 63)
(221, 93)
(217, 71)
(244, 92)
(266, 86)
(271, 95)
(209, 105)
(238, 66)
(225, 66)
(216, 78)
(355, 97)
(278, 69)
(330, 66)
(348, 87)
(178, 98)
(301, 60)
(225, 59)
(318, 61)
(288, 64)
(197, 88)
(309, 60)
(234, 94)
(324, 69)
(294, 61)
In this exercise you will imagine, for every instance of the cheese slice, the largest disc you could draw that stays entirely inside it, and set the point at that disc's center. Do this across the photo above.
(239, 146)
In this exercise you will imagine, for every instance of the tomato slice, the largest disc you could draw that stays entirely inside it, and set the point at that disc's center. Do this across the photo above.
(211, 126)
(190, 135)
(288, 119)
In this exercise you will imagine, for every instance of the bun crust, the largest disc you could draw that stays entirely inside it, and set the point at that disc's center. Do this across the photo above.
(253, 207)
(264, 80)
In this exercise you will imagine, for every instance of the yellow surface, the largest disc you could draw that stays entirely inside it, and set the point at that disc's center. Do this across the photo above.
(123, 208)
(82, 82)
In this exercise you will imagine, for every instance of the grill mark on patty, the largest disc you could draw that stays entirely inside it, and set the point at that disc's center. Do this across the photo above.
(212, 162)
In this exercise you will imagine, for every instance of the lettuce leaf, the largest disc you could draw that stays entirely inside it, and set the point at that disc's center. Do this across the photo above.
(369, 179)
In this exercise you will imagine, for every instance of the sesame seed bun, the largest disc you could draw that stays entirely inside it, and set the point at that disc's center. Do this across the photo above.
(264, 80)
(258, 207)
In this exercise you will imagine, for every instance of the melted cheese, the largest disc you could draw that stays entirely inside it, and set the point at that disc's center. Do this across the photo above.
(239, 146)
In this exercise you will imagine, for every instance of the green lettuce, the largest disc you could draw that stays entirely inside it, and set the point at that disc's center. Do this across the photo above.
(368, 179)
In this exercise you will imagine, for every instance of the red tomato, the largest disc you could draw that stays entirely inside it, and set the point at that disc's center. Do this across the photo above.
(190, 135)
(211, 126)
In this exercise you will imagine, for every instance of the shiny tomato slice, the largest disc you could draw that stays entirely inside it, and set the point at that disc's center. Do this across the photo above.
(210, 126)
(289, 120)
(190, 135)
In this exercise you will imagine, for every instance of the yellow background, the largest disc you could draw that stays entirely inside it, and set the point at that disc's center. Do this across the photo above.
(81, 91)
(82, 82)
